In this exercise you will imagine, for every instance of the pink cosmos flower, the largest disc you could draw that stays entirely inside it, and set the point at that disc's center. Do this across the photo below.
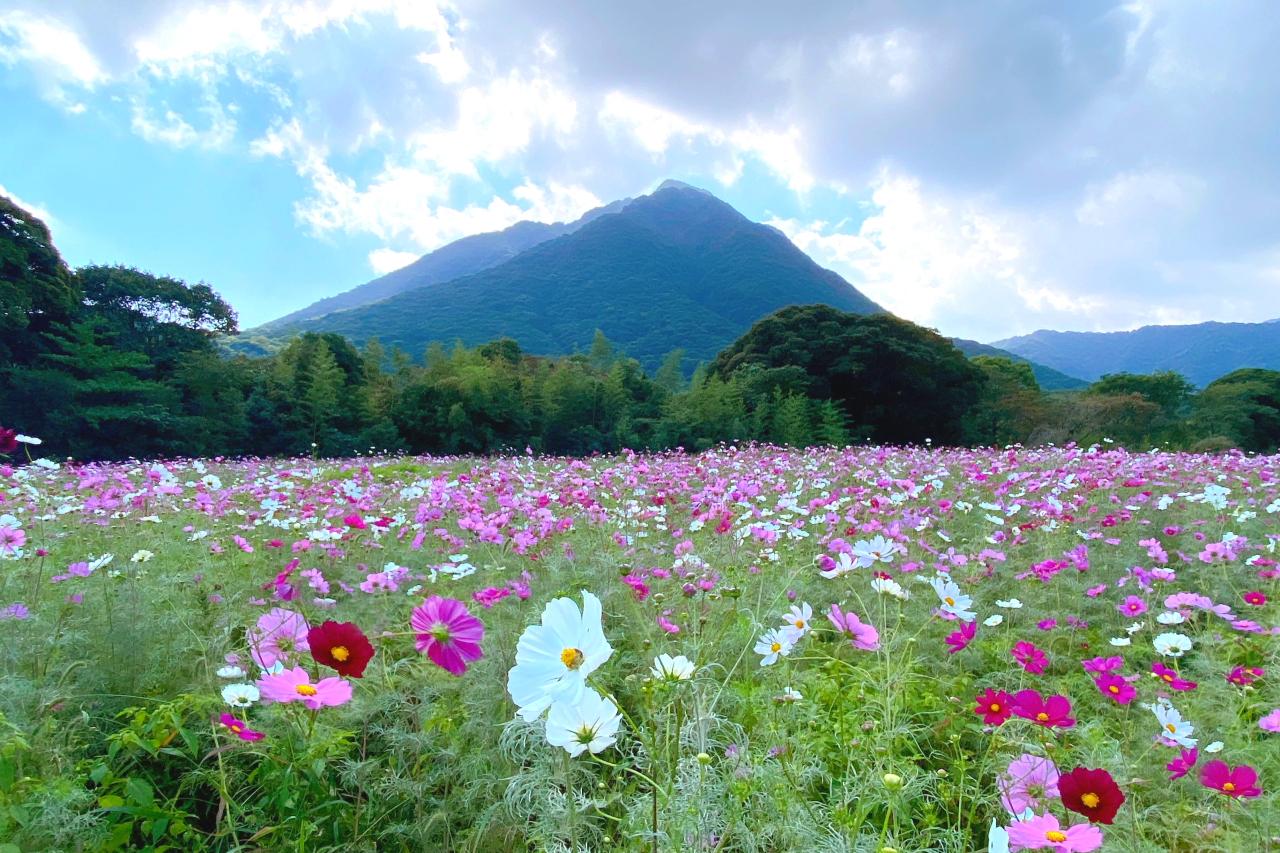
(1235, 782)
(278, 634)
(1171, 678)
(447, 633)
(860, 634)
(294, 685)
(239, 728)
(1116, 688)
(960, 640)
(1271, 722)
(1103, 664)
(1256, 598)
(1029, 782)
(1132, 606)
(994, 707)
(1245, 675)
(1044, 832)
(1055, 711)
(1032, 659)
(489, 596)
(1182, 765)
(11, 540)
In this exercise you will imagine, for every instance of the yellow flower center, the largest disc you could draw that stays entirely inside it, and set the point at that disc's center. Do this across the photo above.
(1167, 677)
(951, 602)
(340, 653)
(1091, 800)
(572, 658)
(305, 690)
(1042, 717)
(1114, 689)
(800, 623)
(1055, 836)
(776, 647)
(1229, 786)
(995, 707)
(1171, 727)
(236, 727)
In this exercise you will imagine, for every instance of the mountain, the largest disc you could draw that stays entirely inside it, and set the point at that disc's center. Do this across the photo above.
(677, 268)
(1049, 379)
(1201, 352)
(461, 257)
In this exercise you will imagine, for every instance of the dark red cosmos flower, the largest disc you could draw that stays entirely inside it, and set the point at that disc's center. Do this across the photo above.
(8, 440)
(1092, 793)
(342, 646)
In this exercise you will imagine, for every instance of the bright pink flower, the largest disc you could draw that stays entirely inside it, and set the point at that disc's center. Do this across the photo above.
(1055, 711)
(11, 540)
(448, 634)
(1029, 782)
(1044, 832)
(1256, 598)
(994, 706)
(1236, 782)
(489, 596)
(294, 685)
(277, 636)
(1132, 606)
(1182, 765)
(1245, 675)
(1103, 664)
(1271, 722)
(1115, 688)
(355, 522)
(239, 728)
(1171, 678)
(960, 640)
(1032, 659)
(860, 634)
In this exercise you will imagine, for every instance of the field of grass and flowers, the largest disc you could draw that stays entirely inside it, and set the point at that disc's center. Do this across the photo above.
(753, 648)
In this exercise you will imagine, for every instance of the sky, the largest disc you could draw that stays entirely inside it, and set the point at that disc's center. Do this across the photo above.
(985, 169)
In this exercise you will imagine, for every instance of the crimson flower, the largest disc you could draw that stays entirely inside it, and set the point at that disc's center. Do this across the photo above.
(341, 646)
(1256, 598)
(994, 706)
(1182, 765)
(1054, 711)
(1092, 793)
(1236, 782)
(8, 440)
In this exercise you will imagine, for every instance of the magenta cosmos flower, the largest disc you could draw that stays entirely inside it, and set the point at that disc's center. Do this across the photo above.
(860, 634)
(960, 640)
(1032, 659)
(1132, 606)
(1171, 678)
(240, 728)
(1050, 712)
(1044, 832)
(1115, 688)
(278, 634)
(994, 706)
(447, 633)
(294, 685)
(1239, 781)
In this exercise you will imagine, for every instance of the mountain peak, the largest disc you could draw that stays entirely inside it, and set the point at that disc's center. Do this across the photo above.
(670, 184)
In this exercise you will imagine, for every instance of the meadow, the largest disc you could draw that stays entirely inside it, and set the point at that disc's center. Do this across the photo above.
(749, 649)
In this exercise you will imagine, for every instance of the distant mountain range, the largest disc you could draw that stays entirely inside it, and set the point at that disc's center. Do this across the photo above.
(1048, 378)
(676, 268)
(1201, 352)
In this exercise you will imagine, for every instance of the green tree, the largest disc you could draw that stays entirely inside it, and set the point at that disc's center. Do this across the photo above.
(1243, 408)
(1009, 406)
(37, 290)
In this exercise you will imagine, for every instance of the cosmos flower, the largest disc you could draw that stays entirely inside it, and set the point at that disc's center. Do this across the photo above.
(341, 646)
(1182, 765)
(1238, 782)
(1172, 645)
(447, 633)
(1027, 783)
(239, 728)
(1172, 727)
(1092, 793)
(1170, 677)
(278, 635)
(588, 724)
(1031, 658)
(959, 640)
(994, 706)
(1053, 712)
(554, 658)
(294, 685)
(1044, 832)
(860, 634)
(774, 644)
(798, 620)
(1115, 688)
(952, 601)
(240, 695)
(668, 668)
(1271, 722)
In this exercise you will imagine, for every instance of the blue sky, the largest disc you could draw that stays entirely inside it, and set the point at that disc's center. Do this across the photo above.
(985, 169)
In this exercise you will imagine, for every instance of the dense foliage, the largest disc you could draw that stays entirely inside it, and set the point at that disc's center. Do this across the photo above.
(867, 649)
(109, 362)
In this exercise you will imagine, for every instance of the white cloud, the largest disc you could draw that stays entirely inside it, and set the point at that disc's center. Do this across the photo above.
(384, 260)
(38, 210)
(170, 128)
(56, 53)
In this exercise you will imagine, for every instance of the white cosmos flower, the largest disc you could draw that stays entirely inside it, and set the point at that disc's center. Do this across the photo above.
(231, 671)
(141, 556)
(240, 695)
(668, 668)
(589, 723)
(888, 586)
(790, 695)
(844, 564)
(773, 644)
(1173, 726)
(1172, 645)
(1121, 641)
(1170, 617)
(28, 439)
(1010, 604)
(875, 550)
(1216, 746)
(798, 621)
(993, 621)
(952, 600)
(554, 658)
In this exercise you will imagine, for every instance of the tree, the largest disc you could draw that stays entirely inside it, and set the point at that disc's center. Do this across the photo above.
(1009, 405)
(1243, 407)
(602, 352)
(670, 375)
(37, 290)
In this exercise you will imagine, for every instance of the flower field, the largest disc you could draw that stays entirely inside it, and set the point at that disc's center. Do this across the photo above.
(759, 649)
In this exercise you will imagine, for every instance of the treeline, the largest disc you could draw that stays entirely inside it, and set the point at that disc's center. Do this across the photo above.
(109, 362)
